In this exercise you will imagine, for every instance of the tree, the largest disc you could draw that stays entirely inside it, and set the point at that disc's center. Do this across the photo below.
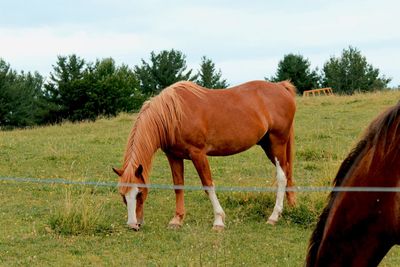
(30, 104)
(114, 89)
(351, 72)
(67, 91)
(164, 69)
(6, 77)
(209, 77)
(83, 91)
(21, 97)
(297, 69)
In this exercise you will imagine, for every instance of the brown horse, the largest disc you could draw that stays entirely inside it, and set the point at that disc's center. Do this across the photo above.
(359, 228)
(191, 122)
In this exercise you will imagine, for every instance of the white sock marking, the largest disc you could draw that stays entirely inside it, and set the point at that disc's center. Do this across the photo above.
(280, 194)
(219, 215)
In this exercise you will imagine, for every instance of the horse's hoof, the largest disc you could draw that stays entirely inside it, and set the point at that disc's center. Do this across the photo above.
(135, 227)
(218, 228)
(271, 222)
(174, 226)
(176, 222)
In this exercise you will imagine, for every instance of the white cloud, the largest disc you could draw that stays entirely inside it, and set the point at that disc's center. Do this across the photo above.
(35, 46)
(245, 40)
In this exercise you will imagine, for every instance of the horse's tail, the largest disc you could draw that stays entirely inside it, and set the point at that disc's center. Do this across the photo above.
(290, 152)
(289, 86)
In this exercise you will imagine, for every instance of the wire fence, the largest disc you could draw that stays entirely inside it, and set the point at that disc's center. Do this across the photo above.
(211, 250)
(55, 181)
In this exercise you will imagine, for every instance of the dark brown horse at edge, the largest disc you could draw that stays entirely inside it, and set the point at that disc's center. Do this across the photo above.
(359, 228)
(191, 122)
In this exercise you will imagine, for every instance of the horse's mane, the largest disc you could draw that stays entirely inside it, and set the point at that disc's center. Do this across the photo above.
(384, 133)
(156, 127)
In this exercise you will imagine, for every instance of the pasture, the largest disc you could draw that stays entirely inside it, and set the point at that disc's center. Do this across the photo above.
(69, 225)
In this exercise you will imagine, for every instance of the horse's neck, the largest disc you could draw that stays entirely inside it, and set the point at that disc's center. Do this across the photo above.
(139, 154)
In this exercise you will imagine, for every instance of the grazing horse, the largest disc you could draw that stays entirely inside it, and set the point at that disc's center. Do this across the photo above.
(190, 122)
(359, 228)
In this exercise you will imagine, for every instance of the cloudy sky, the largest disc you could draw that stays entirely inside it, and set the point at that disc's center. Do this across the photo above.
(246, 39)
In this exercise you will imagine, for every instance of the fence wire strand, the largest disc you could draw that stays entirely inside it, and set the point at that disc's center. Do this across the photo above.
(55, 181)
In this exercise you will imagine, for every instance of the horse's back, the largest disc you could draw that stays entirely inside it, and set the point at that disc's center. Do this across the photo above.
(258, 102)
(254, 95)
(234, 119)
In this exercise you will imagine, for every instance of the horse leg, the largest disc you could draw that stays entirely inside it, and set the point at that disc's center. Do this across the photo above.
(177, 170)
(271, 152)
(202, 166)
(276, 152)
(280, 194)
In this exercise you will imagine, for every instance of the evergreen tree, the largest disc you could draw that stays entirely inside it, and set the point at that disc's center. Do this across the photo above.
(164, 69)
(351, 72)
(6, 103)
(115, 89)
(297, 69)
(83, 91)
(208, 76)
(67, 91)
(21, 97)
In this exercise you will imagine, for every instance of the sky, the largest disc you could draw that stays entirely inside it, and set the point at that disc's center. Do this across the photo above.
(245, 39)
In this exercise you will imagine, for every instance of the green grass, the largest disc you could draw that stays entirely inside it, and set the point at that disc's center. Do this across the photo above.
(84, 215)
(63, 225)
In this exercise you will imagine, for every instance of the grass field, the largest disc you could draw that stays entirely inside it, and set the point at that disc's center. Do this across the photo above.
(71, 225)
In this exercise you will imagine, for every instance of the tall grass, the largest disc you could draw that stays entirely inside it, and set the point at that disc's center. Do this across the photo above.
(81, 215)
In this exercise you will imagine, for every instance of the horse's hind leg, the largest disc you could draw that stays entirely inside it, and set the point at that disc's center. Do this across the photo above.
(177, 170)
(202, 166)
(276, 152)
(280, 194)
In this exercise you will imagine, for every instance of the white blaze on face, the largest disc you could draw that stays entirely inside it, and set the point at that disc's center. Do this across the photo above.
(131, 205)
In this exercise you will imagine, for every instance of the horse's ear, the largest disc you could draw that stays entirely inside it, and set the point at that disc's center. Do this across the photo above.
(139, 171)
(118, 172)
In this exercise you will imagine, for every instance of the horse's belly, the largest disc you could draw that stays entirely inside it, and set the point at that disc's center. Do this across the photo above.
(226, 151)
(224, 147)
(234, 137)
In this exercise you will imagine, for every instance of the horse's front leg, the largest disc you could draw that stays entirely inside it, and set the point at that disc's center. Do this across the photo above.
(203, 169)
(177, 170)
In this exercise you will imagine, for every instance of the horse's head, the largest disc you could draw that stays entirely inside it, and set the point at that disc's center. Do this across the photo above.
(133, 194)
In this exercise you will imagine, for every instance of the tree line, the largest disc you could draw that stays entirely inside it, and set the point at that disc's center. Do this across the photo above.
(79, 90)
(346, 74)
